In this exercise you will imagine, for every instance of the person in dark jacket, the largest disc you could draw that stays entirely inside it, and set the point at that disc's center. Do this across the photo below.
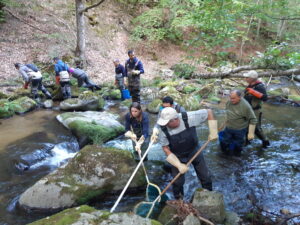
(82, 78)
(119, 75)
(133, 69)
(31, 75)
(179, 140)
(62, 77)
(256, 94)
(137, 128)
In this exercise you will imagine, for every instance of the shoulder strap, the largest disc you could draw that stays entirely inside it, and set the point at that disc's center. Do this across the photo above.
(165, 130)
(185, 120)
(137, 62)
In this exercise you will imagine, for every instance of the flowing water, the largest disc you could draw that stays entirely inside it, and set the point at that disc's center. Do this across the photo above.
(33, 145)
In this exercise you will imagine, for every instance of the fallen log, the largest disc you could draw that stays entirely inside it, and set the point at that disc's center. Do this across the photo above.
(232, 73)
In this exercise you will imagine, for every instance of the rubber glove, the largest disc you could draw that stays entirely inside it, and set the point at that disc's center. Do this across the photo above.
(138, 148)
(130, 135)
(136, 72)
(141, 140)
(213, 130)
(172, 159)
(256, 94)
(154, 135)
(251, 130)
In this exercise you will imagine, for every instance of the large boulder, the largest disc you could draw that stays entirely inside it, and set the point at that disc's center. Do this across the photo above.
(190, 102)
(153, 107)
(92, 172)
(86, 101)
(166, 73)
(211, 204)
(91, 127)
(20, 92)
(149, 93)
(6, 110)
(172, 92)
(23, 105)
(86, 215)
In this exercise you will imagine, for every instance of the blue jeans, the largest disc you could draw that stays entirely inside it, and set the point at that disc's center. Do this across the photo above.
(233, 140)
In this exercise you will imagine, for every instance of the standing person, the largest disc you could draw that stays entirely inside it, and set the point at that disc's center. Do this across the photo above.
(82, 78)
(255, 94)
(180, 143)
(240, 116)
(31, 75)
(133, 69)
(137, 128)
(120, 75)
(62, 77)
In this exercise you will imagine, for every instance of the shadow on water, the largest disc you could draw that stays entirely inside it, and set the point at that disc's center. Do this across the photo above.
(31, 147)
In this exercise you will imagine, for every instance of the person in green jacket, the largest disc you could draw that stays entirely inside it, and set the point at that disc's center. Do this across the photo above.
(240, 116)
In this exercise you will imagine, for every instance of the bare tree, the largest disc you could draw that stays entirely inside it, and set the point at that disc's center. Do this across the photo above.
(80, 25)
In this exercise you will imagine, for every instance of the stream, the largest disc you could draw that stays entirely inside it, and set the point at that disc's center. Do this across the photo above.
(34, 144)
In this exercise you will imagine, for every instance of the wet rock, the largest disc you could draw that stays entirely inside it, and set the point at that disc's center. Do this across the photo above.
(6, 109)
(154, 106)
(170, 91)
(285, 91)
(285, 211)
(91, 127)
(206, 90)
(85, 215)
(191, 220)
(166, 73)
(297, 78)
(190, 102)
(86, 101)
(21, 166)
(23, 105)
(87, 175)
(48, 104)
(169, 83)
(149, 93)
(232, 218)
(210, 204)
(168, 216)
(115, 94)
(214, 99)
(20, 92)
(189, 88)
(126, 103)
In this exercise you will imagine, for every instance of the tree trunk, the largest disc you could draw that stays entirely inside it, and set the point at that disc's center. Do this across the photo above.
(235, 73)
(80, 46)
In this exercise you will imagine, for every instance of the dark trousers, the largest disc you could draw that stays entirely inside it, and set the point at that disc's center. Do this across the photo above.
(201, 169)
(66, 89)
(134, 87)
(258, 130)
(36, 85)
(233, 140)
(88, 83)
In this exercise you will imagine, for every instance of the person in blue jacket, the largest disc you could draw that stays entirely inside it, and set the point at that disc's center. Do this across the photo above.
(137, 128)
(133, 69)
(62, 77)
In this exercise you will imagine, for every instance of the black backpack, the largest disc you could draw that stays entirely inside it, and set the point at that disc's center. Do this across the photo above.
(32, 67)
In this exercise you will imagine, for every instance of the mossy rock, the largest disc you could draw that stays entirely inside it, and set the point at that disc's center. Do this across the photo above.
(126, 103)
(295, 98)
(214, 99)
(206, 90)
(169, 216)
(115, 94)
(92, 172)
(172, 92)
(88, 215)
(190, 102)
(3, 96)
(276, 92)
(6, 110)
(23, 104)
(20, 92)
(153, 107)
(187, 89)
(275, 82)
(169, 83)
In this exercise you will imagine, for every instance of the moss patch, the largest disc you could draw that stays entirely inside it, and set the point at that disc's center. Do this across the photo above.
(6, 109)
(94, 132)
(24, 104)
(295, 98)
(153, 107)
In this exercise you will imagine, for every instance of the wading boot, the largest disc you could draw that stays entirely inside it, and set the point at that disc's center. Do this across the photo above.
(265, 143)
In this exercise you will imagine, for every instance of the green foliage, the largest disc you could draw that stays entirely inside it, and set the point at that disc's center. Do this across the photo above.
(184, 70)
(276, 56)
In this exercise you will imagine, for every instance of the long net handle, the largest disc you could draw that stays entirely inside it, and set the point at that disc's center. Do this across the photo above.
(130, 179)
(143, 165)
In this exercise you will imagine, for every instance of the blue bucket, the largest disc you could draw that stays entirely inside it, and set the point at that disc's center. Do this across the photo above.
(125, 94)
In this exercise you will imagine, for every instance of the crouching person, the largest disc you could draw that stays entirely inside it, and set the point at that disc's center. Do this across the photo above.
(31, 75)
(180, 143)
(83, 79)
(62, 77)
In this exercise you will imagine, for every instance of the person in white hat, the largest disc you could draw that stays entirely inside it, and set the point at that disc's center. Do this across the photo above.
(256, 94)
(180, 142)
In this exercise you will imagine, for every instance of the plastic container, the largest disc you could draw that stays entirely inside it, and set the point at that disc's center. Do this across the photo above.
(125, 94)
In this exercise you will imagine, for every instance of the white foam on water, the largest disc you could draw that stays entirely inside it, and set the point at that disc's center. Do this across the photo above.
(59, 155)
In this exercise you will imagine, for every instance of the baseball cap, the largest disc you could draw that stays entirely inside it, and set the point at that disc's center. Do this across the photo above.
(166, 115)
(251, 74)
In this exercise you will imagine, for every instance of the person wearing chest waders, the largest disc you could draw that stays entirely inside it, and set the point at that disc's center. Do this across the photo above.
(256, 94)
(31, 75)
(240, 118)
(62, 77)
(119, 75)
(83, 79)
(137, 128)
(133, 69)
(180, 143)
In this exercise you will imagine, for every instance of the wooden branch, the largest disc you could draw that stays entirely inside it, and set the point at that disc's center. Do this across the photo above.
(289, 218)
(274, 73)
(23, 21)
(91, 6)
